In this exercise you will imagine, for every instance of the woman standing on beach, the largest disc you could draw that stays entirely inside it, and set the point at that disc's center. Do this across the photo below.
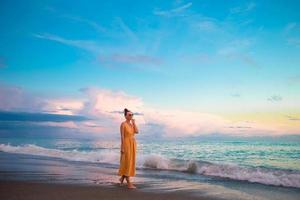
(128, 148)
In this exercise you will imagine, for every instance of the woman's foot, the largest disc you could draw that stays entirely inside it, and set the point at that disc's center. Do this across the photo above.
(131, 186)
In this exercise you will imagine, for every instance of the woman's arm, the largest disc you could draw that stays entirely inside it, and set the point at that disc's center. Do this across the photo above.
(136, 130)
(122, 137)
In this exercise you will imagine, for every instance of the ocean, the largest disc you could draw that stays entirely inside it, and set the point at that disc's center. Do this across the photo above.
(270, 164)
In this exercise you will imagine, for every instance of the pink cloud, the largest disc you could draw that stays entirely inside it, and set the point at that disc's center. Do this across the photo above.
(105, 108)
(16, 98)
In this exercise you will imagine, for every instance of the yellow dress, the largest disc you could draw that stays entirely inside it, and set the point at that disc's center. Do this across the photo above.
(128, 158)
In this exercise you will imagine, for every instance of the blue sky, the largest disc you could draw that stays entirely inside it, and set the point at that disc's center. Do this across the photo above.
(227, 58)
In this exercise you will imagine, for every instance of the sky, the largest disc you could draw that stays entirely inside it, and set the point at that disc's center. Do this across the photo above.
(185, 68)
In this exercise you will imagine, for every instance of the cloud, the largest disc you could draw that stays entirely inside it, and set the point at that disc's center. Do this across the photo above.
(235, 45)
(109, 56)
(239, 127)
(293, 118)
(164, 122)
(105, 103)
(207, 25)
(224, 36)
(124, 27)
(290, 27)
(275, 98)
(199, 58)
(90, 23)
(237, 49)
(240, 56)
(127, 30)
(93, 24)
(16, 98)
(122, 112)
(235, 95)
(100, 112)
(294, 41)
(179, 11)
(291, 33)
(66, 106)
(243, 9)
(127, 58)
(99, 28)
(88, 45)
(294, 79)
(106, 106)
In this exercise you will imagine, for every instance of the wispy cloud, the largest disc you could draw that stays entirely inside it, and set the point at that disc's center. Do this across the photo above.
(89, 22)
(248, 59)
(293, 79)
(235, 45)
(293, 118)
(109, 56)
(291, 32)
(243, 9)
(238, 49)
(199, 58)
(127, 30)
(88, 45)
(274, 98)
(178, 11)
(294, 41)
(289, 27)
(235, 95)
(208, 24)
(109, 32)
(75, 18)
(127, 58)
(239, 127)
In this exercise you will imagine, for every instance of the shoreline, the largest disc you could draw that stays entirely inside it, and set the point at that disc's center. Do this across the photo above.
(31, 190)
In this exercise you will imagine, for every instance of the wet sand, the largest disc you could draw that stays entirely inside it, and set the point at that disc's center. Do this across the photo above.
(27, 190)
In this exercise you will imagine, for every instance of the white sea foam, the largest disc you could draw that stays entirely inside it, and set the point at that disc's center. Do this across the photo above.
(278, 177)
(73, 155)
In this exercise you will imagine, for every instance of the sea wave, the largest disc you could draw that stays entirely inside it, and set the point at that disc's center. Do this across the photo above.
(277, 177)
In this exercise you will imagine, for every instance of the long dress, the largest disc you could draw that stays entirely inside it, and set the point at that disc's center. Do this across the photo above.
(128, 158)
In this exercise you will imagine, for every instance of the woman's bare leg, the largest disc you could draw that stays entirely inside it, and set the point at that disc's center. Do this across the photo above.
(121, 180)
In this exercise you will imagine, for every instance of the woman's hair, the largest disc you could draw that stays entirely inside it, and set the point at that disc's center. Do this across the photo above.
(126, 111)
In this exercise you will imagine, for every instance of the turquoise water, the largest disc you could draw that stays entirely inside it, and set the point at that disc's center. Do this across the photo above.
(266, 162)
(281, 155)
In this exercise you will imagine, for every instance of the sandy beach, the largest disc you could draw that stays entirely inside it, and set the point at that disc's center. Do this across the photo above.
(26, 190)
